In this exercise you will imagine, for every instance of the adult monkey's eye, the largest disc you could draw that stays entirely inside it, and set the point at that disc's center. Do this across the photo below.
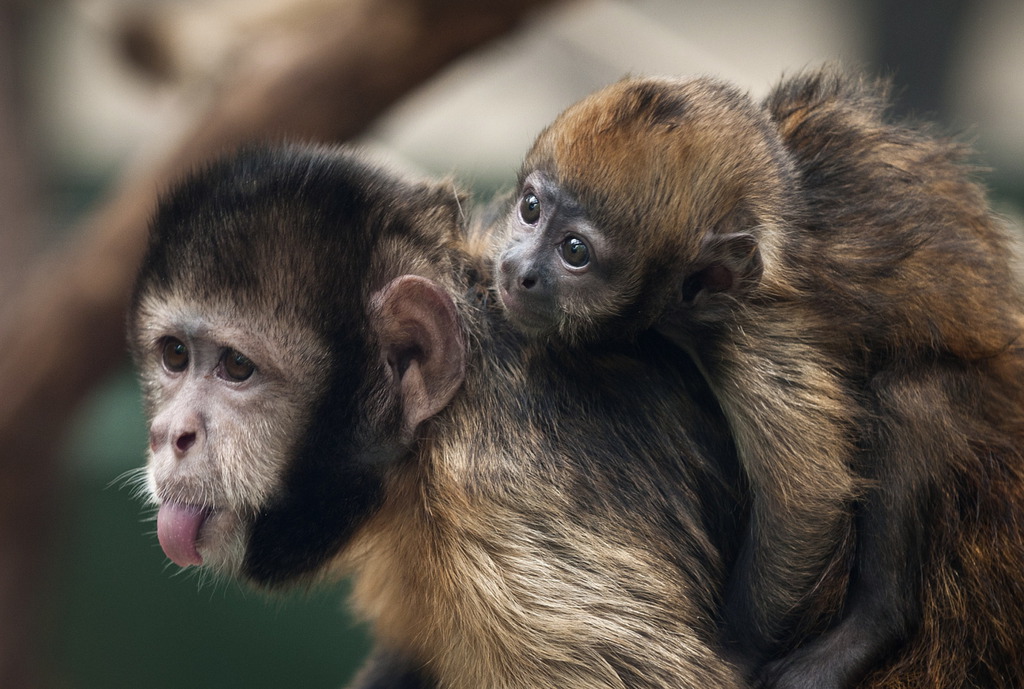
(237, 366)
(175, 355)
(575, 252)
(529, 209)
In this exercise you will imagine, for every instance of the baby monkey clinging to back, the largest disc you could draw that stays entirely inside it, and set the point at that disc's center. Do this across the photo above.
(843, 287)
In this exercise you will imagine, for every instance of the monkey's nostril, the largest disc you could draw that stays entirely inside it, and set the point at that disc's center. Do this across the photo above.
(529, 282)
(184, 442)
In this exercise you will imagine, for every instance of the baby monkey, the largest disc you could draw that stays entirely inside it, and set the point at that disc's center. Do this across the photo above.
(843, 287)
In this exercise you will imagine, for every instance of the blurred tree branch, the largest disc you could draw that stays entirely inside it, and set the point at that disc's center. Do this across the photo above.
(18, 193)
(62, 328)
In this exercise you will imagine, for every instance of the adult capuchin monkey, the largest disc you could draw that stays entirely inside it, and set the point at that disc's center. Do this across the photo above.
(849, 297)
(331, 392)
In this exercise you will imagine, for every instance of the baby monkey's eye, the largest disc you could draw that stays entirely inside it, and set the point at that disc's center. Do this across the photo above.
(575, 252)
(529, 209)
(175, 355)
(237, 366)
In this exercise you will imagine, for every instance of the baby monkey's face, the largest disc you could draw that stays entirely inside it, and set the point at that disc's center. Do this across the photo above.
(556, 271)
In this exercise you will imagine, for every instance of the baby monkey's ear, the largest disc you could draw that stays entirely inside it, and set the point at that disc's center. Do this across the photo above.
(729, 263)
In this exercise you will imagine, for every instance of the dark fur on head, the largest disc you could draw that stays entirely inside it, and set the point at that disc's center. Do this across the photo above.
(283, 241)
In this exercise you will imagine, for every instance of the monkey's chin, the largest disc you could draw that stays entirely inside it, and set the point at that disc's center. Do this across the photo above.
(524, 318)
(222, 542)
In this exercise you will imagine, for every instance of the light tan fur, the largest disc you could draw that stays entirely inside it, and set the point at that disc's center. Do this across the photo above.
(483, 587)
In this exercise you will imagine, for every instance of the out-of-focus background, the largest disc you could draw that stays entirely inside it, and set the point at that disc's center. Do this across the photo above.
(98, 99)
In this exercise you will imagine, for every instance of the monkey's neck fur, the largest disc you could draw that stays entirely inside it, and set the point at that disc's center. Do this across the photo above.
(490, 580)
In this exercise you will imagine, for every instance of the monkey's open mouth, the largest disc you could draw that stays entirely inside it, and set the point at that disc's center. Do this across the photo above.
(177, 528)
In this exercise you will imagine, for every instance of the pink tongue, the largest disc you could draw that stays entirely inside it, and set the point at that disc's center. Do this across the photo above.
(177, 528)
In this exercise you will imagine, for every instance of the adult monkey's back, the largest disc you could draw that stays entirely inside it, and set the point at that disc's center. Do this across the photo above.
(330, 393)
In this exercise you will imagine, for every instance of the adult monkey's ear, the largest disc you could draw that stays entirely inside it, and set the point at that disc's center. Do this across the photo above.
(419, 331)
(729, 262)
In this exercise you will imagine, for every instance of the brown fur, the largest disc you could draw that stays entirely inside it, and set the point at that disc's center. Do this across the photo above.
(913, 258)
(867, 351)
(658, 165)
(541, 530)
(512, 553)
(569, 517)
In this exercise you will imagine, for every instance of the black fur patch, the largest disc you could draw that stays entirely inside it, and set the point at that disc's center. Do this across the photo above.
(651, 102)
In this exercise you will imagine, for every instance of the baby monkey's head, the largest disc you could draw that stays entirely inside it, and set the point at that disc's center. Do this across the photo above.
(647, 193)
